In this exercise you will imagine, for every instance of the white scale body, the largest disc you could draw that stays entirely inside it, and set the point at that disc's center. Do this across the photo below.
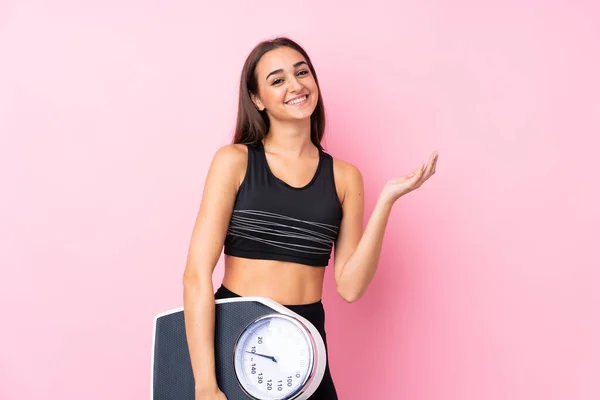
(278, 355)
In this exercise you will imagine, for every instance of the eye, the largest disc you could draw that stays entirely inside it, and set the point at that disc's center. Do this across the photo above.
(303, 72)
(277, 81)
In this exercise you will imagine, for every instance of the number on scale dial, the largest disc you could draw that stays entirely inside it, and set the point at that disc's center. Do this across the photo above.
(274, 358)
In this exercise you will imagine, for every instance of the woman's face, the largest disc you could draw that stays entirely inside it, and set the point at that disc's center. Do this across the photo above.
(286, 87)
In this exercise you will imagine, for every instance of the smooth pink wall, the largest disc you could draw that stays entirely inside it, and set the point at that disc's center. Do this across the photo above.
(111, 111)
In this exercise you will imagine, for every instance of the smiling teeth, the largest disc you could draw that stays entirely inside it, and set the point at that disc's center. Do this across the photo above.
(300, 100)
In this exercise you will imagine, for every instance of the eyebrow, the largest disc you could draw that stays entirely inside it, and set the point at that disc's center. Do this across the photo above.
(299, 63)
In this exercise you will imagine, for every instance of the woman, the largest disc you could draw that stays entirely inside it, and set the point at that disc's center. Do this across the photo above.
(277, 204)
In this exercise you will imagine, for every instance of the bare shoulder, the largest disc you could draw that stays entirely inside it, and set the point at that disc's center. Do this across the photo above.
(231, 160)
(344, 168)
(232, 154)
(348, 178)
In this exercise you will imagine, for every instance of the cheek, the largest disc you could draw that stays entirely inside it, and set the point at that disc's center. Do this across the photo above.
(273, 95)
(315, 93)
(312, 86)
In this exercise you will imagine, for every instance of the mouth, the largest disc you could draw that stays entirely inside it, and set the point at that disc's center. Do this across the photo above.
(297, 101)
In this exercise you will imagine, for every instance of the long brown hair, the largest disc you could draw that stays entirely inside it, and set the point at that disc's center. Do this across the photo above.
(253, 125)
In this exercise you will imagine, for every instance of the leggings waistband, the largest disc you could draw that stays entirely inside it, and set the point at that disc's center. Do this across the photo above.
(224, 293)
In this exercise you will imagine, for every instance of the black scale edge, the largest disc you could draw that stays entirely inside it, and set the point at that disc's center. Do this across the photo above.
(172, 369)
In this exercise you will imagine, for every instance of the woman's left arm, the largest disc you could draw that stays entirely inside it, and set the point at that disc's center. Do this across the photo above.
(357, 252)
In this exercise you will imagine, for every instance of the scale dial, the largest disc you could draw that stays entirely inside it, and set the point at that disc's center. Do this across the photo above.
(274, 358)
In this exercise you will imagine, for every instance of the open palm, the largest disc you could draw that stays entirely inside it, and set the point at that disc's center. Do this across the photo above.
(398, 187)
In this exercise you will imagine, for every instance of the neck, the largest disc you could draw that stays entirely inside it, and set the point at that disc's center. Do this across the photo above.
(292, 138)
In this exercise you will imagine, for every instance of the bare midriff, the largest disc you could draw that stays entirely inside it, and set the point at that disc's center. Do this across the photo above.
(285, 282)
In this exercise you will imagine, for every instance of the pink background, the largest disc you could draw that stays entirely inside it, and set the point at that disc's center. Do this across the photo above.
(110, 112)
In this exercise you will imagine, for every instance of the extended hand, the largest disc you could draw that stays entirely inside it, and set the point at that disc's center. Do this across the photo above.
(398, 187)
(263, 355)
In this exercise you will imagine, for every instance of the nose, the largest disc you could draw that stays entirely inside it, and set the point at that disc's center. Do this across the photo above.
(294, 85)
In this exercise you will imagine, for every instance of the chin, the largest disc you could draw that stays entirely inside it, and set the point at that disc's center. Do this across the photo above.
(299, 117)
(302, 112)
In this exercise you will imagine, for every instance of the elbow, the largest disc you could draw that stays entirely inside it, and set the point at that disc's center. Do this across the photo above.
(196, 277)
(191, 277)
(349, 296)
(350, 299)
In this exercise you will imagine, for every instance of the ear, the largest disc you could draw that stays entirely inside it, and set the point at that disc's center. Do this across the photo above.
(257, 103)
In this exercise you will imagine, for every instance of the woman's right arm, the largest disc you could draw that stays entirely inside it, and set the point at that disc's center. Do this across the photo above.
(224, 177)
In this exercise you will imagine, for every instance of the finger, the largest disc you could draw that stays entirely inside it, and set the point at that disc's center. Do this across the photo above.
(435, 160)
(414, 173)
(429, 170)
(432, 163)
(414, 181)
(416, 170)
(420, 171)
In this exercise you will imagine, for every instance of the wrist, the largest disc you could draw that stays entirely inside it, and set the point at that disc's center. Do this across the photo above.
(207, 388)
(384, 203)
(206, 383)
